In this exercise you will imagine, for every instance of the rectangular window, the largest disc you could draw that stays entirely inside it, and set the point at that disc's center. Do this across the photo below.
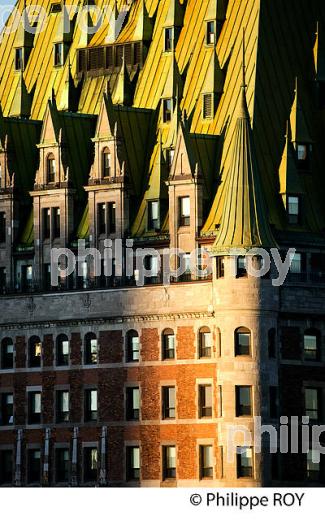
(313, 403)
(205, 401)
(63, 350)
(62, 406)
(168, 39)
(6, 467)
(7, 354)
(2, 227)
(244, 462)
(243, 401)
(58, 54)
(205, 344)
(220, 267)
(35, 353)
(91, 410)
(210, 33)
(62, 463)
(273, 402)
(133, 463)
(34, 466)
(168, 346)
(132, 404)
(206, 462)
(293, 209)
(26, 277)
(167, 110)
(242, 343)
(304, 155)
(153, 215)
(56, 223)
(91, 351)
(168, 402)
(7, 409)
(169, 462)
(170, 157)
(207, 108)
(311, 350)
(3, 278)
(313, 466)
(241, 267)
(46, 223)
(34, 407)
(133, 348)
(90, 464)
(101, 212)
(111, 218)
(19, 61)
(184, 211)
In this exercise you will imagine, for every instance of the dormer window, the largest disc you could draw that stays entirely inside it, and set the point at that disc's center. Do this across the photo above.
(207, 109)
(167, 110)
(58, 54)
(168, 39)
(304, 152)
(293, 209)
(51, 169)
(107, 167)
(19, 60)
(210, 33)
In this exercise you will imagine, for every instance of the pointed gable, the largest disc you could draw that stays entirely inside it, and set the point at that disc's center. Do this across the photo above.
(106, 122)
(22, 102)
(174, 82)
(300, 130)
(244, 222)
(319, 52)
(144, 26)
(123, 90)
(175, 14)
(185, 164)
(51, 125)
(288, 175)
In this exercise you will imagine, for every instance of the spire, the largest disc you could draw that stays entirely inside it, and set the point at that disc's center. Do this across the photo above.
(144, 27)
(113, 26)
(288, 174)
(300, 130)
(244, 221)
(22, 102)
(174, 124)
(123, 91)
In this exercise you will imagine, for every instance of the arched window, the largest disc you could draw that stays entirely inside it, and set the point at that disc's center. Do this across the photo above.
(132, 346)
(50, 168)
(62, 350)
(91, 349)
(7, 353)
(107, 166)
(312, 345)
(35, 351)
(168, 344)
(242, 342)
(205, 343)
(272, 343)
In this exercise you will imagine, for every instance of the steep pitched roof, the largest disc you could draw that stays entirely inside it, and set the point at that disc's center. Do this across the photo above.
(288, 174)
(244, 222)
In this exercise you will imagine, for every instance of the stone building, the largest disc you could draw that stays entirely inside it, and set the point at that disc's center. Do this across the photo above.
(167, 127)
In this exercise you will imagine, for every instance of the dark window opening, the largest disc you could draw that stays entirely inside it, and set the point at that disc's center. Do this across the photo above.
(62, 406)
(50, 169)
(169, 462)
(168, 39)
(91, 410)
(184, 211)
(312, 345)
(7, 353)
(6, 467)
(168, 402)
(207, 110)
(58, 54)
(133, 463)
(56, 223)
(242, 342)
(241, 267)
(210, 33)
(2, 227)
(293, 209)
(62, 464)
(34, 467)
(243, 401)
(90, 464)
(34, 407)
(153, 215)
(7, 409)
(205, 401)
(132, 404)
(133, 346)
(91, 349)
(168, 344)
(62, 350)
(35, 352)
(167, 110)
(244, 462)
(206, 462)
(46, 223)
(19, 60)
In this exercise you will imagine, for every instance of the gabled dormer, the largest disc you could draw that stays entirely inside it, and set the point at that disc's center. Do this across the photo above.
(63, 36)
(109, 161)
(70, 93)
(173, 89)
(22, 101)
(23, 42)
(51, 171)
(185, 188)
(291, 188)
(144, 25)
(301, 130)
(214, 20)
(172, 25)
(212, 88)
(124, 88)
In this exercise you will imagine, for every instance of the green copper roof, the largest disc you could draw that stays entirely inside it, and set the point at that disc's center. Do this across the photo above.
(244, 222)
